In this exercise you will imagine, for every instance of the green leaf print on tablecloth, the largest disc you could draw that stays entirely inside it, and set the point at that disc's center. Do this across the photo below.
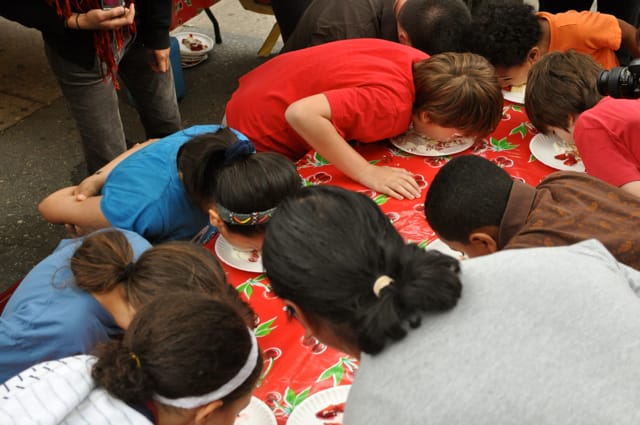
(501, 144)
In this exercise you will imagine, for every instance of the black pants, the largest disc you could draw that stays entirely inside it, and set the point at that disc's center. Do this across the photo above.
(627, 10)
(288, 13)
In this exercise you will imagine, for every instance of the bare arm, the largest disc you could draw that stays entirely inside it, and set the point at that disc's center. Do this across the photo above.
(311, 118)
(632, 187)
(92, 185)
(61, 207)
(630, 38)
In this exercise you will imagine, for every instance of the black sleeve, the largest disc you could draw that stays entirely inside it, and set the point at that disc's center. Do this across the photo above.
(154, 21)
(34, 14)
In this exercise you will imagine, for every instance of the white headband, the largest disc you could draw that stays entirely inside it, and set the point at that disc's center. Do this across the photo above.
(223, 391)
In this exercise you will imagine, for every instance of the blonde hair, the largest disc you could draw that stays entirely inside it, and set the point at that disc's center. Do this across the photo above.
(459, 90)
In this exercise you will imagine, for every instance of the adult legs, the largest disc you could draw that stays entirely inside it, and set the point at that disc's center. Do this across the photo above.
(94, 105)
(288, 13)
(154, 93)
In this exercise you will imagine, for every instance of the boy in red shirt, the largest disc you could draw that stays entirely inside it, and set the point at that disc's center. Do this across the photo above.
(562, 98)
(365, 90)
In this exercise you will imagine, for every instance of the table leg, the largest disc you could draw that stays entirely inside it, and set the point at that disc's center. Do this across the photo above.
(216, 26)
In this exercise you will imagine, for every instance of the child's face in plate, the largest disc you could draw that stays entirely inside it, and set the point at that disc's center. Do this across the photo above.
(242, 242)
(513, 76)
(434, 131)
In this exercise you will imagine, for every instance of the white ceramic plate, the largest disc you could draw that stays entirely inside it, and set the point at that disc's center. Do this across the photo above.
(205, 40)
(438, 245)
(542, 147)
(256, 413)
(305, 413)
(514, 96)
(235, 258)
(415, 144)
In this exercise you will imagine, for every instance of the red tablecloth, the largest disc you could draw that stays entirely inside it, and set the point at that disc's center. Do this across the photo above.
(183, 10)
(296, 367)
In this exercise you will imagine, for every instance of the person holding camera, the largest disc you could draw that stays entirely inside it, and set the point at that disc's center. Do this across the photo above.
(562, 98)
(89, 44)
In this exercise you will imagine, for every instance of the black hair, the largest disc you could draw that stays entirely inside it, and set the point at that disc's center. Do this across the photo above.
(436, 26)
(504, 32)
(325, 249)
(468, 192)
(248, 183)
(187, 344)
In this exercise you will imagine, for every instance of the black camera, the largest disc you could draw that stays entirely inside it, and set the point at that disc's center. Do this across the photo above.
(621, 81)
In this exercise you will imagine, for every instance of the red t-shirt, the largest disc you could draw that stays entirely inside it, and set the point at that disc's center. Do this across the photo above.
(368, 82)
(608, 139)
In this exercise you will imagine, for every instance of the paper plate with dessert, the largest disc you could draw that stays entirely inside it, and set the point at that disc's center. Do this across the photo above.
(417, 144)
(515, 94)
(247, 260)
(554, 152)
(324, 407)
(194, 43)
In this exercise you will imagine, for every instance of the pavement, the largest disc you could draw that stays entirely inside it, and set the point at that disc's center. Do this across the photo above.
(39, 143)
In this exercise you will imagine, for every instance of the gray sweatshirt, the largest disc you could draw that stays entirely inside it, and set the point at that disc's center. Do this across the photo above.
(542, 336)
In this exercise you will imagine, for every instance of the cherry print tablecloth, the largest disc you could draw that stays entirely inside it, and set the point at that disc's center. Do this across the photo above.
(183, 10)
(295, 366)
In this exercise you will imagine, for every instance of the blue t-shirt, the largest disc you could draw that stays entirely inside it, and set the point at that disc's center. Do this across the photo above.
(48, 317)
(144, 192)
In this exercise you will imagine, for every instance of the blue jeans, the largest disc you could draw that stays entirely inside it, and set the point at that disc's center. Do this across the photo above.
(94, 102)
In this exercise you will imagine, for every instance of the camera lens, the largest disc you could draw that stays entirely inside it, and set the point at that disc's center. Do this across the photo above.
(618, 83)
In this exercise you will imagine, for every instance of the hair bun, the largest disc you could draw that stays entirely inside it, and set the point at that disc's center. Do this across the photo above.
(240, 149)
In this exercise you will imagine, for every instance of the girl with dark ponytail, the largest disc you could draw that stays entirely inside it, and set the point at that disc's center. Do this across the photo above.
(338, 260)
(525, 342)
(185, 358)
(172, 188)
(88, 290)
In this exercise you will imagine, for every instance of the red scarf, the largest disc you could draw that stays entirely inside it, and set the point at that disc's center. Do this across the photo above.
(101, 39)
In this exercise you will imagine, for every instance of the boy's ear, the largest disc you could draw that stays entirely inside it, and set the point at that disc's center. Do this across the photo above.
(307, 324)
(214, 217)
(423, 117)
(534, 55)
(403, 37)
(483, 243)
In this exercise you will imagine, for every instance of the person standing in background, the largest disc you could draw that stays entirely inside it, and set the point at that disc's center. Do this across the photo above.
(88, 47)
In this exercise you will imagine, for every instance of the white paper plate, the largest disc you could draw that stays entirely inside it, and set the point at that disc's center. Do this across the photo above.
(256, 413)
(185, 51)
(514, 96)
(189, 63)
(305, 413)
(234, 258)
(542, 147)
(438, 245)
(415, 144)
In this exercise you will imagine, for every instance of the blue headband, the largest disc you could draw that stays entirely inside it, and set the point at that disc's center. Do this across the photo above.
(240, 149)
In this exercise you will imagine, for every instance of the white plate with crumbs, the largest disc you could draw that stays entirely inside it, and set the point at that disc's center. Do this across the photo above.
(515, 95)
(248, 261)
(194, 43)
(547, 148)
(417, 144)
(256, 413)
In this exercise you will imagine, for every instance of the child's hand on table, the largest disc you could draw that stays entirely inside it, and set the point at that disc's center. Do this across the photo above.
(395, 182)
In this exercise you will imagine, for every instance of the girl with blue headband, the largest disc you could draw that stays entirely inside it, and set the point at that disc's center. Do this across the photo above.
(171, 188)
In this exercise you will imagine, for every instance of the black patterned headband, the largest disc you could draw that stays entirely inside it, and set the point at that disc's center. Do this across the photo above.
(245, 219)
